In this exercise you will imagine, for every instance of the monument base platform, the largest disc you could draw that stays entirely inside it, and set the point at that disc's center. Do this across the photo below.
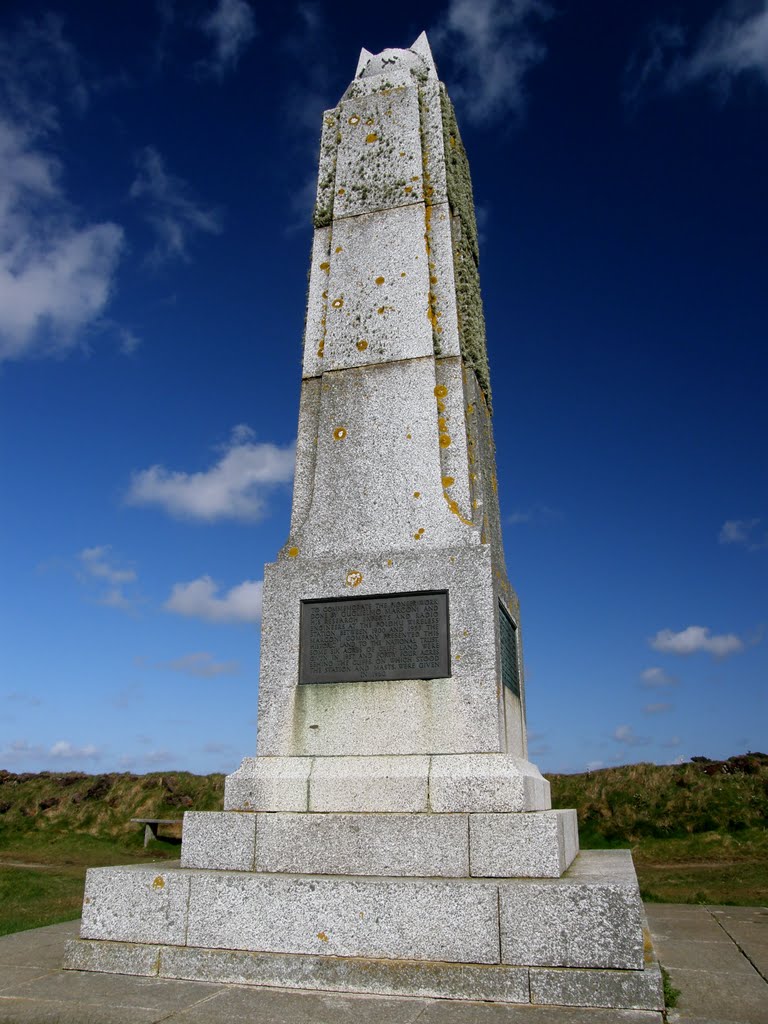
(578, 940)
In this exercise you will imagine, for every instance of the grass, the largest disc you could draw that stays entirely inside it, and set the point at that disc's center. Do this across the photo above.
(671, 994)
(697, 831)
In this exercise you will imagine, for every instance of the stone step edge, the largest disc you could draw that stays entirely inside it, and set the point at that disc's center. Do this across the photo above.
(555, 986)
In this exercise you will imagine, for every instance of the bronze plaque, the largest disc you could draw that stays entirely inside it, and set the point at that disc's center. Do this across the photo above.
(362, 639)
(510, 672)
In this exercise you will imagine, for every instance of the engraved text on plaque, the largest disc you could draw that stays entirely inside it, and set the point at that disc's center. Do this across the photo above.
(360, 639)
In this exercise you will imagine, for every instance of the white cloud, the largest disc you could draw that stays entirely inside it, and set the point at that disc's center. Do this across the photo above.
(733, 43)
(743, 531)
(234, 488)
(534, 514)
(592, 766)
(65, 751)
(202, 665)
(56, 270)
(55, 277)
(491, 47)
(231, 26)
(694, 639)
(200, 599)
(171, 211)
(655, 677)
(625, 735)
(658, 708)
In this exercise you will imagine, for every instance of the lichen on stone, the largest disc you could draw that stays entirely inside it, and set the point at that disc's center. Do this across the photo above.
(329, 141)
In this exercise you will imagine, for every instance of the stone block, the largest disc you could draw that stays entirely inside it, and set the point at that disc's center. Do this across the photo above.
(459, 713)
(426, 845)
(486, 782)
(537, 844)
(378, 165)
(348, 974)
(111, 957)
(442, 290)
(369, 784)
(405, 919)
(432, 143)
(224, 840)
(631, 990)
(268, 784)
(317, 306)
(135, 904)
(591, 917)
(378, 292)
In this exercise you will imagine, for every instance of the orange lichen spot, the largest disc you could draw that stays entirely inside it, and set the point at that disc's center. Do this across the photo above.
(326, 266)
(379, 280)
(339, 248)
(452, 140)
(338, 303)
(444, 440)
(372, 137)
(419, 534)
(408, 189)
(458, 657)
(465, 633)
(341, 192)
(470, 409)
(448, 481)
(292, 552)
(325, 295)
(417, 494)
(494, 484)
(354, 120)
(402, 152)
(441, 391)
(339, 434)
(475, 503)
(322, 936)
(433, 279)
(408, 437)
(159, 882)
(402, 273)
(353, 578)
(454, 507)
(415, 177)
(442, 426)
(389, 561)
(329, 122)
(362, 345)
(381, 309)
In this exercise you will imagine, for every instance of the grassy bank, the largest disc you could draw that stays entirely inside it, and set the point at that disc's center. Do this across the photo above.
(697, 831)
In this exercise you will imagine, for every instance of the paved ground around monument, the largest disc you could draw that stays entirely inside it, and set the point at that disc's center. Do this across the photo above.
(716, 956)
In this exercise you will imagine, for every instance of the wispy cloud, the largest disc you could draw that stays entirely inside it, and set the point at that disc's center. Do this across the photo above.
(97, 564)
(63, 750)
(170, 208)
(659, 708)
(235, 487)
(200, 599)
(655, 677)
(746, 532)
(202, 665)
(734, 43)
(489, 47)
(23, 698)
(694, 639)
(533, 514)
(626, 735)
(231, 26)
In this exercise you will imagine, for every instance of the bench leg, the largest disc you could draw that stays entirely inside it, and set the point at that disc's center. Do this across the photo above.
(150, 832)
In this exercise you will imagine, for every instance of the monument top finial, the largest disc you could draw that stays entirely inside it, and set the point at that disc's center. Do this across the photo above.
(418, 57)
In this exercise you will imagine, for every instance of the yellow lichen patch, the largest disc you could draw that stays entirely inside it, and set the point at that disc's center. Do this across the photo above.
(353, 578)
(338, 303)
(448, 481)
(432, 279)
(339, 248)
(402, 273)
(325, 295)
(419, 534)
(326, 266)
(494, 484)
(454, 507)
(408, 437)
(475, 503)
(408, 189)
(402, 152)
(442, 426)
(441, 391)
(354, 120)
(417, 494)
(470, 409)
(322, 936)
(292, 552)
(339, 434)
(444, 440)
(415, 177)
(389, 561)
(373, 137)
(379, 280)
(159, 882)
(458, 657)
(370, 120)
(362, 345)
(341, 192)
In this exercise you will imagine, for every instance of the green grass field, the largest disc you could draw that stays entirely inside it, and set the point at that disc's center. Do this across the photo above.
(697, 831)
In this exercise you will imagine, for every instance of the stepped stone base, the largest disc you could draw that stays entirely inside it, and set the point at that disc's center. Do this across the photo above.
(574, 940)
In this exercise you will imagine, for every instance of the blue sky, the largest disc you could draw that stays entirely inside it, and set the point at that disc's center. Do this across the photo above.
(157, 163)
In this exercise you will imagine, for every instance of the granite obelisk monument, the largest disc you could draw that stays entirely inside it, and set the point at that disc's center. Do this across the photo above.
(390, 835)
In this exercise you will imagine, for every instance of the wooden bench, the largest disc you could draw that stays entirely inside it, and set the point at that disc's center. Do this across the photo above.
(151, 826)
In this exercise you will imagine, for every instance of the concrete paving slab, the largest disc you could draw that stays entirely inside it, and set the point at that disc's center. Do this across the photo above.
(125, 990)
(44, 951)
(687, 954)
(694, 923)
(708, 996)
(270, 1006)
(497, 1013)
(12, 976)
(26, 1011)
